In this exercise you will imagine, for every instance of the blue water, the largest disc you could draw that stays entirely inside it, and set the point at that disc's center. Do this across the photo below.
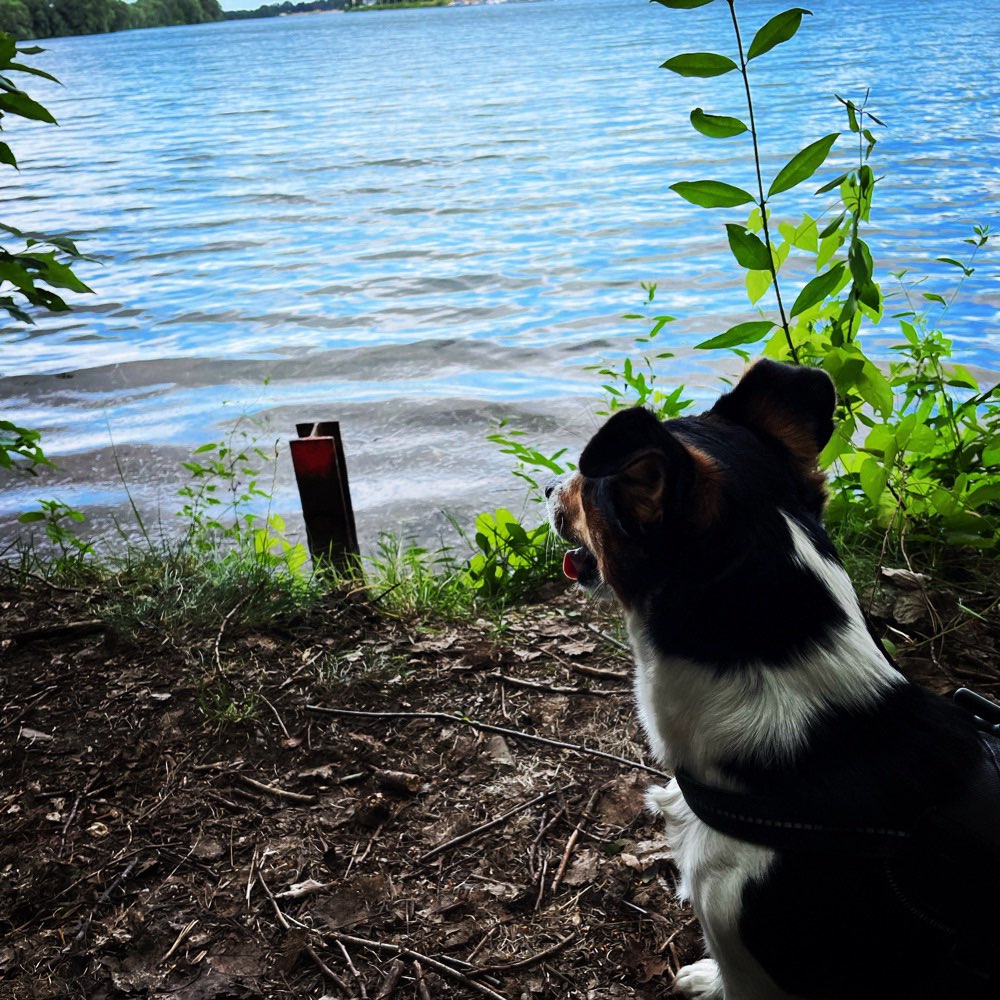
(420, 221)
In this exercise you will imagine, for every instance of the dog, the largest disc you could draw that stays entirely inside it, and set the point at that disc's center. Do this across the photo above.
(836, 828)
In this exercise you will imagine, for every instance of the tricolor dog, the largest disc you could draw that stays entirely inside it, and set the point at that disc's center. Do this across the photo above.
(836, 828)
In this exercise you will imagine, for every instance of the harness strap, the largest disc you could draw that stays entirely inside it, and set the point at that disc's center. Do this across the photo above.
(973, 819)
(773, 824)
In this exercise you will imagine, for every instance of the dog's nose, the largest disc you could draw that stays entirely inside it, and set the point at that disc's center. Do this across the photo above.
(550, 488)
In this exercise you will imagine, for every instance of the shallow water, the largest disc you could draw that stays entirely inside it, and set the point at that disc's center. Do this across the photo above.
(418, 222)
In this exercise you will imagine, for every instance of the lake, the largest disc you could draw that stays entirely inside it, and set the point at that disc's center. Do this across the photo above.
(421, 222)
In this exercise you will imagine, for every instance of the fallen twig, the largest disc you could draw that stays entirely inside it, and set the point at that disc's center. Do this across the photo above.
(286, 925)
(222, 628)
(391, 980)
(610, 639)
(353, 970)
(487, 728)
(179, 940)
(582, 668)
(28, 706)
(280, 793)
(86, 627)
(421, 985)
(103, 898)
(575, 835)
(469, 834)
(411, 955)
(524, 963)
(553, 688)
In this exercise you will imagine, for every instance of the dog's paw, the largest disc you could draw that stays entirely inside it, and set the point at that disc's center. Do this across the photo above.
(662, 799)
(700, 981)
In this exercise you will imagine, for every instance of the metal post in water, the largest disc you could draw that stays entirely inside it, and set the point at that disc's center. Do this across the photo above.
(321, 474)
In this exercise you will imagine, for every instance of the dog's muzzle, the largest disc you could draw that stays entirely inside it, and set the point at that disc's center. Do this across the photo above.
(579, 563)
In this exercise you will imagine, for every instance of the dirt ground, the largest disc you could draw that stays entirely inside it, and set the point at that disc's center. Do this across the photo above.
(192, 820)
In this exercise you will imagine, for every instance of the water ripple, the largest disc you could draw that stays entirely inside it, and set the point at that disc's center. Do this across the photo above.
(504, 188)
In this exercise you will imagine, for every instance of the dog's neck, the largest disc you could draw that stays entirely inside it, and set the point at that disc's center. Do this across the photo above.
(705, 716)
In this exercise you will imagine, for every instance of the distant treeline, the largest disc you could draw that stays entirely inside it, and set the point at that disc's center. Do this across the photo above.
(49, 18)
(277, 9)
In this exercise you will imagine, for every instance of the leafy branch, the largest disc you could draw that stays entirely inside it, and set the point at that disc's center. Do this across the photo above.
(34, 276)
(750, 251)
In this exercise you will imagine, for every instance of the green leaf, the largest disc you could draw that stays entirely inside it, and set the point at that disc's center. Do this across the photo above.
(829, 245)
(875, 389)
(33, 70)
(859, 258)
(989, 493)
(59, 275)
(779, 29)
(742, 333)
(803, 164)
(757, 283)
(32, 515)
(873, 479)
(7, 156)
(818, 289)
(832, 227)
(18, 103)
(711, 194)
(961, 377)
(836, 182)
(952, 261)
(748, 249)
(701, 64)
(682, 4)
(716, 126)
(806, 236)
(934, 297)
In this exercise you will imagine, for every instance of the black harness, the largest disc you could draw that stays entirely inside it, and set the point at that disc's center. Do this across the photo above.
(770, 822)
(961, 841)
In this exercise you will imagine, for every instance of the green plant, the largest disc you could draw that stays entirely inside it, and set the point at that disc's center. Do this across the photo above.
(512, 559)
(57, 518)
(530, 461)
(21, 442)
(635, 384)
(221, 501)
(929, 469)
(916, 444)
(915, 456)
(33, 271)
(223, 706)
(405, 578)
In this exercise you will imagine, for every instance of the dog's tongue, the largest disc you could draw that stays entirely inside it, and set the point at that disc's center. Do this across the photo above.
(569, 567)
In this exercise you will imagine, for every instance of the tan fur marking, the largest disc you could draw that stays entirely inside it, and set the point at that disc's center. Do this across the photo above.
(583, 523)
(799, 442)
(642, 488)
(709, 487)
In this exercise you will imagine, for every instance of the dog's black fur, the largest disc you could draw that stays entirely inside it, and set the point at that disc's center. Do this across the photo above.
(708, 530)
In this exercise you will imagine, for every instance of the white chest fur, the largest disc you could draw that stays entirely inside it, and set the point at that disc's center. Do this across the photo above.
(697, 717)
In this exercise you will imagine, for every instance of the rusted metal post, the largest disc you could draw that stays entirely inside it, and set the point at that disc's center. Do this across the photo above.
(321, 474)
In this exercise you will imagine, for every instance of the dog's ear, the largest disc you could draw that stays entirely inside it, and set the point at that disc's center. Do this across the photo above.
(624, 436)
(789, 403)
(644, 462)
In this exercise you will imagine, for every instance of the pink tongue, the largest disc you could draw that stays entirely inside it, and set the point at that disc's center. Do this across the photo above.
(569, 567)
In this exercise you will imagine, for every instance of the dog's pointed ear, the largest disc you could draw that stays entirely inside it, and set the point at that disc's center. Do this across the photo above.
(790, 403)
(644, 461)
(625, 435)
